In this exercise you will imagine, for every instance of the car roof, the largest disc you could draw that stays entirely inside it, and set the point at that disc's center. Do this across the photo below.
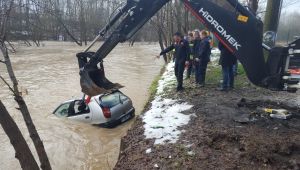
(94, 97)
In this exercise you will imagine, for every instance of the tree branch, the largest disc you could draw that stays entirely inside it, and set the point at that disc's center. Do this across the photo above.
(38, 144)
(23, 152)
(8, 85)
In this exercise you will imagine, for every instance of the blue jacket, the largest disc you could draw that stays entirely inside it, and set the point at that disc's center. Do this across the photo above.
(227, 59)
(204, 51)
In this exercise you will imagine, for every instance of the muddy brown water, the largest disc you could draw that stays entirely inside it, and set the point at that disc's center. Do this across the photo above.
(50, 75)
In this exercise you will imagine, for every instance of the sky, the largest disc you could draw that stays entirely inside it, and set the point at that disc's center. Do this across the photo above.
(288, 5)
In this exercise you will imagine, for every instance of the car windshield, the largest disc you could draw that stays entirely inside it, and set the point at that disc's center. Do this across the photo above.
(63, 110)
(113, 99)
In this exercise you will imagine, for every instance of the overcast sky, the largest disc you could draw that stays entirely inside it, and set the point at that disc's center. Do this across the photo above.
(288, 5)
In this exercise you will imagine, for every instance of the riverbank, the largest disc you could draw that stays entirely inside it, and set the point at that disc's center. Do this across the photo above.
(203, 128)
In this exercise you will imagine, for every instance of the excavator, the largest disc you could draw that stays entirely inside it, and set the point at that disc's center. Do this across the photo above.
(234, 25)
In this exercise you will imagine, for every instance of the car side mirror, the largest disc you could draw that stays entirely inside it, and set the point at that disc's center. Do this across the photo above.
(269, 38)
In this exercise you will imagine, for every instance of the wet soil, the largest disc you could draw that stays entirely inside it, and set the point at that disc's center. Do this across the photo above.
(215, 139)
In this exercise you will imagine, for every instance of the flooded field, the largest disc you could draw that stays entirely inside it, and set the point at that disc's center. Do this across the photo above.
(50, 74)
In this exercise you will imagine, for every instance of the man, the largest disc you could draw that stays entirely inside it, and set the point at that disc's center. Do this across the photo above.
(190, 39)
(196, 50)
(227, 61)
(202, 58)
(182, 53)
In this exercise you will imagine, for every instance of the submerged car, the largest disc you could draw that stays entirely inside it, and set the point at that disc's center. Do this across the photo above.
(106, 110)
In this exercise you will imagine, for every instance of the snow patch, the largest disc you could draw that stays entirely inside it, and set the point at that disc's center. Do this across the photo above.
(168, 79)
(165, 116)
(215, 54)
(148, 150)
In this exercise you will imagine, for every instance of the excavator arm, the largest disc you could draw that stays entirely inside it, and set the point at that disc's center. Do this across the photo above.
(236, 27)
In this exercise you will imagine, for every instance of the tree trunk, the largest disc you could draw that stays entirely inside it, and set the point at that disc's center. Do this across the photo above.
(253, 4)
(272, 15)
(45, 164)
(23, 153)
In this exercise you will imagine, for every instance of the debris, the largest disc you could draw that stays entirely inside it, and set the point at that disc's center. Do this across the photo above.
(156, 166)
(191, 153)
(278, 113)
(280, 116)
(244, 118)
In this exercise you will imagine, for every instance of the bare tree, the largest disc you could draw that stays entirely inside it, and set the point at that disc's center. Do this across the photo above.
(45, 164)
(23, 153)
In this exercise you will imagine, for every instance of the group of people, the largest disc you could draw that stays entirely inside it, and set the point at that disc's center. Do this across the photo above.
(193, 52)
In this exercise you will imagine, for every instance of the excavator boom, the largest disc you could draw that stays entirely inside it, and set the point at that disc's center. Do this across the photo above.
(236, 27)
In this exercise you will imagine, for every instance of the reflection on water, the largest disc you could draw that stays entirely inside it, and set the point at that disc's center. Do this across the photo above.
(50, 74)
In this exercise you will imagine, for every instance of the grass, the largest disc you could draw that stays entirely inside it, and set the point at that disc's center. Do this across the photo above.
(214, 75)
(153, 89)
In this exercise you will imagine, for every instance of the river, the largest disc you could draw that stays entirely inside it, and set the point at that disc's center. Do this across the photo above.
(50, 75)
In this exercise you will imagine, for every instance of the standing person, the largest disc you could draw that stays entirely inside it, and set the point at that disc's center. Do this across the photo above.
(190, 39)
(227, 61)
(182, 53)
(202, 57)
(196, 50)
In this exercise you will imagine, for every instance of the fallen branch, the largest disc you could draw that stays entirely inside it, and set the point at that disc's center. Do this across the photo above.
(253, 104)
(12, 50)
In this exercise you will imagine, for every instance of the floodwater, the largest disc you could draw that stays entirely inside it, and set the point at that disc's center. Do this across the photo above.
(50, 75)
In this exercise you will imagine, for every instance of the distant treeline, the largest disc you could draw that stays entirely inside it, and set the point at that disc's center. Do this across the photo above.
(81, 20)
(289, 27)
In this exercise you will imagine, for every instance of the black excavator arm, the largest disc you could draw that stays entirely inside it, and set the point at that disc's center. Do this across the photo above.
(235, 27)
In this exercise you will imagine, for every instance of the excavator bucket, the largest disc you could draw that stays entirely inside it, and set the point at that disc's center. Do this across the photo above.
(93, 81)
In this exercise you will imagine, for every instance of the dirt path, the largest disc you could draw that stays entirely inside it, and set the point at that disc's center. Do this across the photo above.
(214, 139)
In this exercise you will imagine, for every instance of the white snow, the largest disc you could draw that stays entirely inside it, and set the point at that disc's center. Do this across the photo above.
(165, 116)
(191, 153)
(168, 79)
(149, 150)
(215, 54)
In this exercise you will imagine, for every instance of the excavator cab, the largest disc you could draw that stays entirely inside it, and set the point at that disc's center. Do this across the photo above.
(292, 65)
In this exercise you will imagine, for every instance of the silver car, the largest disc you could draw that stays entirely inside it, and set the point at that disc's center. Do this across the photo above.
(107, 110)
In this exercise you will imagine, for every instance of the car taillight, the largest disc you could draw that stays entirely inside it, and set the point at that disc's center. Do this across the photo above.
(106, 112)
(294, 71)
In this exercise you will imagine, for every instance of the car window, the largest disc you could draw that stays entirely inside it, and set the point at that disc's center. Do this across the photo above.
(63, 110)
(113, 99)
(123, 97)
(81, 108)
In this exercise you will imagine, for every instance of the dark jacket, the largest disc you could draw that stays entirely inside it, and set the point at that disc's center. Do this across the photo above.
(227, 59)
(204, 50)
(196, 48)
(182, 51)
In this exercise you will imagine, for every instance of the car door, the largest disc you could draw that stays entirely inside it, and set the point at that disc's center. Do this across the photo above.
(122, 107)
(62, 110)
(79, 111)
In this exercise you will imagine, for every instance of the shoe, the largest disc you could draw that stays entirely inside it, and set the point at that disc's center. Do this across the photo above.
(180, 89)
(201, 85)
(222, 89)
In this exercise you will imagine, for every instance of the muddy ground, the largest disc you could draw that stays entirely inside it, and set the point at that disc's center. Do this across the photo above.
(222, 135)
